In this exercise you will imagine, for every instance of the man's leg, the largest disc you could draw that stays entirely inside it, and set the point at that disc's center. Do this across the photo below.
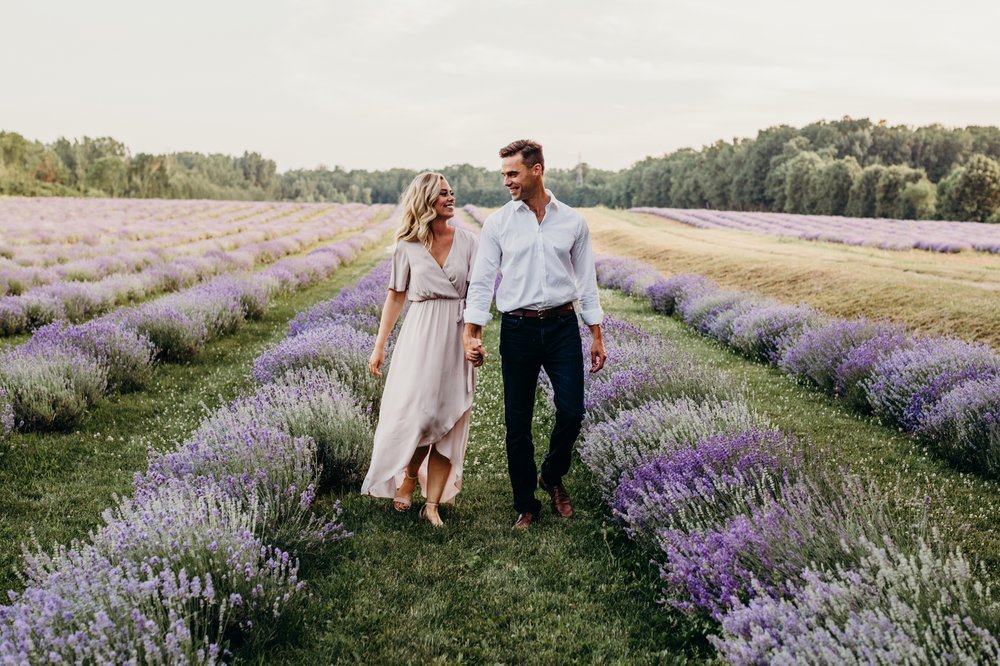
(563, 364)
(520, 345)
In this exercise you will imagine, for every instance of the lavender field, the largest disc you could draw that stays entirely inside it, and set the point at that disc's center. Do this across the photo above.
(886, 234)
(711, 525)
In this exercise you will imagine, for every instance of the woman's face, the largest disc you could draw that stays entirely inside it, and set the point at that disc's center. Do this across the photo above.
(444, 204)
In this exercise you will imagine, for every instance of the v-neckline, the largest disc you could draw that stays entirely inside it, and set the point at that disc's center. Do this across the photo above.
(447, 256)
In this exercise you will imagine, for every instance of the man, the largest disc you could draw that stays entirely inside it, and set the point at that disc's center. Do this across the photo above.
(541, 247)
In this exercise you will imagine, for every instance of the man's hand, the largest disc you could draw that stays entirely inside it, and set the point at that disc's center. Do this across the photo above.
(597, 355)
(472, 340)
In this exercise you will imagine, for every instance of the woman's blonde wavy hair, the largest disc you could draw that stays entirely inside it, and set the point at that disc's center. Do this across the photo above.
(418, 208)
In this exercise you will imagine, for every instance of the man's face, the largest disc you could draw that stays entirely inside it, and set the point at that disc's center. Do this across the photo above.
(521, 181)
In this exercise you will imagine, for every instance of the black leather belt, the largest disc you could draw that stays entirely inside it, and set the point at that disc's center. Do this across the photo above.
(564, 309)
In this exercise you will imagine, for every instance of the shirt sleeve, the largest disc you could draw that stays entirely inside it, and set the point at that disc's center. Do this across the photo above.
(484, 274)
(585, 272)
(399, 275)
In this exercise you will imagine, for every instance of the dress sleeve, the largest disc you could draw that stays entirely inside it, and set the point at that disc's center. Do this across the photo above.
(399, 276)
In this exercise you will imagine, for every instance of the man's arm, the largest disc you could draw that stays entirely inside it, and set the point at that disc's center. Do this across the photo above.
(480, 294)
(582, 257)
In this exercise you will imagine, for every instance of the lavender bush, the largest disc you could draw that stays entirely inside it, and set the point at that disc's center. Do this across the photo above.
(894, 607)
(964, 425)
(305, 402)
(909, 381)
(664, 294)
(853, 372)
(175, 335)
(359, 306)
(50, 387)
(818, 353)
(762, 333)
(80, 606)
(701, 311)
(272, 474)
(632, 436)
(340, 348)
(201, 529)
(628, 275)
(126, 354)
(641, 368)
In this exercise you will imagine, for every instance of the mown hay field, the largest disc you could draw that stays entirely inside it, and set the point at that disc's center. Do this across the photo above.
(933, 293)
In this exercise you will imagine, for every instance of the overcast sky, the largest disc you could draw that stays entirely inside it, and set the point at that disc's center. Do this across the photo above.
(427, 83)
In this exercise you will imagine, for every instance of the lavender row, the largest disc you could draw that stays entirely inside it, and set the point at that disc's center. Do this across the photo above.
(931, 235)
(204, 555)
(54, 231)
(943, 390)
(55, 377)
(78, 301)
(795, 560)
(103, 252)
(475, 213)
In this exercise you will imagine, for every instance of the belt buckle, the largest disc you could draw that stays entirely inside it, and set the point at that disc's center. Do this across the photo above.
(542, 314)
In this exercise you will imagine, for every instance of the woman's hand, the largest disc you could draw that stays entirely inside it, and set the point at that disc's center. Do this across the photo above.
(475, 354)
(376, 360)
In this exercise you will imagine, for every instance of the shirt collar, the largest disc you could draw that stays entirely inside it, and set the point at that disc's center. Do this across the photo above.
(553, 202)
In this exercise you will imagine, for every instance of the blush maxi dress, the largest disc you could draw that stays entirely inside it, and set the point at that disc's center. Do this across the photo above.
(429, 385)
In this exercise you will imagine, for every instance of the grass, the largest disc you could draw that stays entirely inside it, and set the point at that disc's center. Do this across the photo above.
(929, 292)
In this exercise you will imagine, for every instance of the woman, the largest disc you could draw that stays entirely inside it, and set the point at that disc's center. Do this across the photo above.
(423, 424)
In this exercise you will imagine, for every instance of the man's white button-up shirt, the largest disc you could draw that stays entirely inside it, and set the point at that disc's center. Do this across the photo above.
(544, 264)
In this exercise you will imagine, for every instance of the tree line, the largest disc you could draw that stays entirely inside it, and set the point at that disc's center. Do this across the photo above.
(845, 167)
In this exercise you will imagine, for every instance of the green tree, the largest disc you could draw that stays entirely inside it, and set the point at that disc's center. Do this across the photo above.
(108, 175)
(918, 200)
(861, 202)
(830, 190)
(972, 192)
(889, 187)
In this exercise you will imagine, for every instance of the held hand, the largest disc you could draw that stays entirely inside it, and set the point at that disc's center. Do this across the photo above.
(474, 352)
(375, 361)
(597, 355)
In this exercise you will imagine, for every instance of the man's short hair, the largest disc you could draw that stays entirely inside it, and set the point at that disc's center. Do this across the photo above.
(531, 152)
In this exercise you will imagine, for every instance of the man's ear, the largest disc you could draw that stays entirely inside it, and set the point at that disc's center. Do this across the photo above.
(538, 169)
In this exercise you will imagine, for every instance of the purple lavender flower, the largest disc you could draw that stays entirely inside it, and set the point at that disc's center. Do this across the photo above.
(613, 447)
(894, 606)
(964, 425)
(627, 275)
(640, 368)
(819, 352)
(664, 295)
(49, 386)
(903, 385)
(337, 347)
(762, 333)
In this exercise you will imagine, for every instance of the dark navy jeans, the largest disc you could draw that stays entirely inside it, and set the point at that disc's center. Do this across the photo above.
(526, 346)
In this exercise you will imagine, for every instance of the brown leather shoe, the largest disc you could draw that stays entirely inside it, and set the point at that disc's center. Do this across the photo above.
(524, 521)
(560, 498)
